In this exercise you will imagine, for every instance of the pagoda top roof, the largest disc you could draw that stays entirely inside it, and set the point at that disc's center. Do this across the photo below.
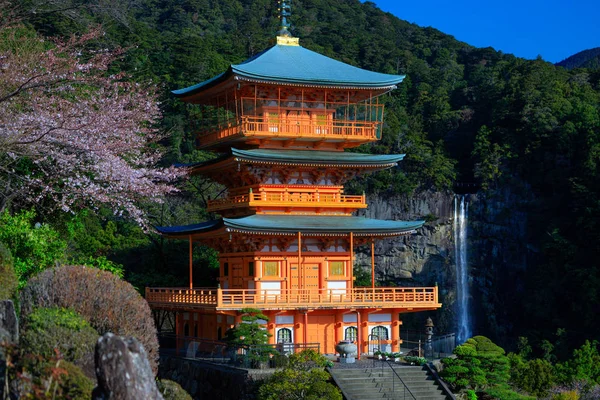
(292, 224)
(306, 157)
(298, 66)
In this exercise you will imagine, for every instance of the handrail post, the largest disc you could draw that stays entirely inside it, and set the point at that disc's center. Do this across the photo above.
(219, 297)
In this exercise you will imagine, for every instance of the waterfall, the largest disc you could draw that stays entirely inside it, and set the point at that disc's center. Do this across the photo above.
(461, 216)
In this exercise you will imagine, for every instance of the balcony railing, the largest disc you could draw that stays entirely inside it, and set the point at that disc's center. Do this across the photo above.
(279, 299)
(265, 128)
(284, 198)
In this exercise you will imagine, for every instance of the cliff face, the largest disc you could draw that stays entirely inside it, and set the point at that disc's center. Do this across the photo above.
(500, 248)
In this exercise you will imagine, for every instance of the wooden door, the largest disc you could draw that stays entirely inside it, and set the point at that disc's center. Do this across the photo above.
(321, 329)
(310, 276)
(237, 275)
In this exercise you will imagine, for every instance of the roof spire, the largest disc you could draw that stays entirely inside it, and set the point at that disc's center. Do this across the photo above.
(284, 37)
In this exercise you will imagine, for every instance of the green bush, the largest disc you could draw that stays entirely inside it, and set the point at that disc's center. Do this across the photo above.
(8, 277)
(504, 392)
(289, 384)
(108, 303)
(34, 246)
(535, 376)
(50, 330)
(172, 390)
(73, 384)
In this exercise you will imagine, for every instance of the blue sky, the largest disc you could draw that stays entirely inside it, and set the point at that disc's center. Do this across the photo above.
(527, 28)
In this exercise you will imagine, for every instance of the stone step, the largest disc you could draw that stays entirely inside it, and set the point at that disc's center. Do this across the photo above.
(378, 383)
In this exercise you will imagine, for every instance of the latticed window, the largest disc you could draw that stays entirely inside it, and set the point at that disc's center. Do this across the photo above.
(381, 332)
(270, 268)
(336, 268)
(351, 333)
(284, 335)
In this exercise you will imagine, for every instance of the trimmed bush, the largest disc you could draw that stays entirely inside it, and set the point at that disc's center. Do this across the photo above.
(172, 390)
(47, 330)
(108, 303)
(8, 276)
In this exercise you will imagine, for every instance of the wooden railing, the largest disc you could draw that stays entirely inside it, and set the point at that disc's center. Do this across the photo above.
(284, 198)
(233, 299)
(260, 127)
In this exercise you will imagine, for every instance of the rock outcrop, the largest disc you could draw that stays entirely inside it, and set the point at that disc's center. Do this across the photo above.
(123, 370)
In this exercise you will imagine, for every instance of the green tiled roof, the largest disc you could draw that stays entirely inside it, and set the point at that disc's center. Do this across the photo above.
(299, 66)
(305, 224)
(313, 157)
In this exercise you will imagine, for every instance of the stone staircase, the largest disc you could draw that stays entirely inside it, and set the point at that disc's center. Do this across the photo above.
(382, 383)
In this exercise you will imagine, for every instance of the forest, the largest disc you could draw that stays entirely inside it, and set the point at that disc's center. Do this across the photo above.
(77, 77)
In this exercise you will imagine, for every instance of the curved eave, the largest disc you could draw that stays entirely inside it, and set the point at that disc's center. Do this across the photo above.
(319, 225)
(291, 225)
(185, 230)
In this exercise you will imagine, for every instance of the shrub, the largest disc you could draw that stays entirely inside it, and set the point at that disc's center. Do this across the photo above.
(48, 329)
(108, 303)
(570, 395)
(172, 390)
(298, 384)
(34, 247)
(8, 277)
(535, 376)
(73, 384)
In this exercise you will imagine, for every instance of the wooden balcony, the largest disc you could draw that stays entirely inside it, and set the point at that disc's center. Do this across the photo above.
(285, 198)
(284, 130)
(424, 298)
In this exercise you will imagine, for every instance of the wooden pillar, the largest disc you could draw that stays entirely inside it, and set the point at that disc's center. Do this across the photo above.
(351, 272)
(298, 327)
(373, 262)
(271, 328)
(305, 327)
(339, 326)
(300, 267)
(191, 263)
(396, 322)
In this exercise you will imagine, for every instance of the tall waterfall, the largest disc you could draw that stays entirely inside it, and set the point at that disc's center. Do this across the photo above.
(461, 216)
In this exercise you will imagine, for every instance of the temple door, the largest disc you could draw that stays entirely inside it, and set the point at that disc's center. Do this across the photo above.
(237, 275)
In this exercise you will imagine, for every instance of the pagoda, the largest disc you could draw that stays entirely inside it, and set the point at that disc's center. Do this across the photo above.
(281, 121)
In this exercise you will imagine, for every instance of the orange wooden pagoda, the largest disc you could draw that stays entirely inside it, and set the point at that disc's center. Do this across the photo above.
(286, 239)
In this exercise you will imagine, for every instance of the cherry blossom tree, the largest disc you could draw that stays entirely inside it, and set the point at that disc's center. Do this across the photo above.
(71, 135)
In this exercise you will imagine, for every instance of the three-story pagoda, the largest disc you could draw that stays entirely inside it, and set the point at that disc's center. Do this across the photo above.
(281, 121)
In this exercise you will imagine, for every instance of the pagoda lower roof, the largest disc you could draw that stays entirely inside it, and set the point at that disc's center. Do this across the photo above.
(292, 224)
(315, 158)
(298, 66)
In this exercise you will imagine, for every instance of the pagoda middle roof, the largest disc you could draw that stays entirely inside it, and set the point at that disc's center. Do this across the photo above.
(307, 157)
(291, 224)
(296, 65)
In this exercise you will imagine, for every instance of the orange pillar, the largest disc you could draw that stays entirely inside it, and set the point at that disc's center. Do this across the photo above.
(300, 268)
(363, 330)
(372, 262)
(298, 327)
(351, 272)
(339, 326)
(396, 331)
(191, 263)
(271, 328)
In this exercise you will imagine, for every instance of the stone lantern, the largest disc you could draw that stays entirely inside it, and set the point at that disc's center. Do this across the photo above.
(429, 333)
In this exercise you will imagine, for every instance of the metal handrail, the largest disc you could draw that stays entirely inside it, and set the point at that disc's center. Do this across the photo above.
(406, 389)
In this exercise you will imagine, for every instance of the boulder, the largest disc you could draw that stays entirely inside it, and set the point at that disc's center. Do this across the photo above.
(123, 370)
